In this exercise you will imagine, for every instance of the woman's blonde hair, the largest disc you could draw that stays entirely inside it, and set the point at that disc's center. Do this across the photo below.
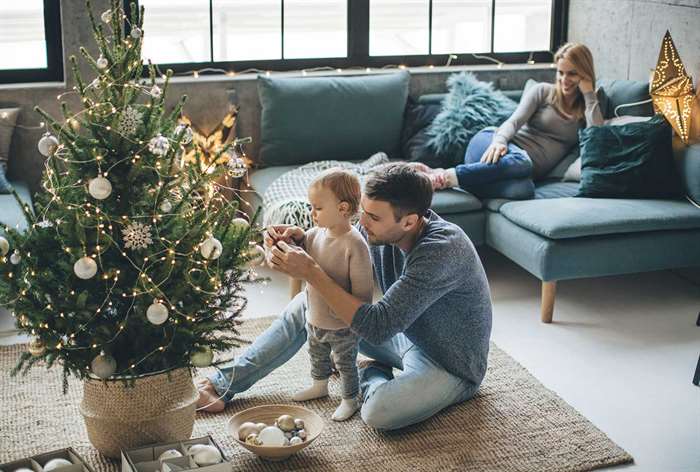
(581, 58)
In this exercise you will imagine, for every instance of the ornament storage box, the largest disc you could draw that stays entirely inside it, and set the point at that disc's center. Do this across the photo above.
(145, 458)
(36, 463)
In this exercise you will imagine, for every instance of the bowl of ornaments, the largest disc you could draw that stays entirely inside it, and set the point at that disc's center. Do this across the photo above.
(275, 432)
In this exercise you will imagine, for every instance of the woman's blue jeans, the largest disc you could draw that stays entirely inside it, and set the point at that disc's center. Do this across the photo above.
(422, 389)
(509, 178)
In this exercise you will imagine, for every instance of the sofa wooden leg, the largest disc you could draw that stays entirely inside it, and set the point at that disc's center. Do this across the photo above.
(549, 290)
(294, 287)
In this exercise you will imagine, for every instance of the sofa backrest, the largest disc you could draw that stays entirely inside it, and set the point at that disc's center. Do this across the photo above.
(341, 118)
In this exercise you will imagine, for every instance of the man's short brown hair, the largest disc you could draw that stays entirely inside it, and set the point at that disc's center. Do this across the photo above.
(344, 184)
(406, 189)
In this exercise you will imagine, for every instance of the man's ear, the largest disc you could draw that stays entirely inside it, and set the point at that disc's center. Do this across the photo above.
(409, 221)
(344, 208)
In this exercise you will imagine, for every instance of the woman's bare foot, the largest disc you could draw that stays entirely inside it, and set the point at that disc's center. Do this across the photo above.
(208, 398)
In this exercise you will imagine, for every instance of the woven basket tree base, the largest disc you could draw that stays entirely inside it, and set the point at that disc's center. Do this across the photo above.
(157, 408)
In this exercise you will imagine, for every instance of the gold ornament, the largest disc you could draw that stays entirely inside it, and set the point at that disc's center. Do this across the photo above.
(36, 348)
(671, 89)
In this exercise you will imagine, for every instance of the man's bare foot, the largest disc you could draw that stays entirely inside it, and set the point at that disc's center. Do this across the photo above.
(208, 398)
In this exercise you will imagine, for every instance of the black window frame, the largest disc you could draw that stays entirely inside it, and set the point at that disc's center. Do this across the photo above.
(53, 72)
(358, 47)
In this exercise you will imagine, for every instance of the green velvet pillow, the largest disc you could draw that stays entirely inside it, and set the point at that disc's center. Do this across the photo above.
(628, 161)
(309, 119)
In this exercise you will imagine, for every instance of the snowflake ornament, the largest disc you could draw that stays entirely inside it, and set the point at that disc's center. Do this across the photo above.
(159, 145)
(137, 236)
(129, 121)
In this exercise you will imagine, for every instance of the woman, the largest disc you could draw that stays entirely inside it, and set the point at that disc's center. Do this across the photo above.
(541, 131)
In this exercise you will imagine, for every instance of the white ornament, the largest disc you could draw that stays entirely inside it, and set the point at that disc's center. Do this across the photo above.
(257, 254)
(271, 436)
(85, 267)
(137, 236)
(47, 144)
(44, 224)
(236, 167)
(15, 258)
(129, 121)
(157, 313)
(102, 62)
(202, 357)
(136, 33)
(159, 145)
(106, 16)
(100, 188)
(204, 454)
(166, 206)
(4, 246)
(56, 463)
(240, 224)
(156, 92)
(169, 454)
(186, 133)
(295, 440)
(211, 248)
(104, 366)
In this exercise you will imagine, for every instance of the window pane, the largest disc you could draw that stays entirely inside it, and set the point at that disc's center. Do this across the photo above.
(247, 29)
(461, 26)
(22, 38)
(315, 28)
(398, 27)
(522, 25)
(176, 31)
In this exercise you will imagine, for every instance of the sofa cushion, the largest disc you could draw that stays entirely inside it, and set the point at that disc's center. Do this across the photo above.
(10, 212)
(341, 118)
(623, 92)
(551, 188)
(8, 119)
(688, 161)
(563, 218)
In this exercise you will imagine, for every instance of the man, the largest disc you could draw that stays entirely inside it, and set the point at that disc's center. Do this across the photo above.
(433, 321)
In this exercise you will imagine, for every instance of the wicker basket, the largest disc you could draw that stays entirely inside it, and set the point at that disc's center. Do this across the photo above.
(156, 408)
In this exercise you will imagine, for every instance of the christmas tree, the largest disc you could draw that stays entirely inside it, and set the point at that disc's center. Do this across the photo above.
(133, 261)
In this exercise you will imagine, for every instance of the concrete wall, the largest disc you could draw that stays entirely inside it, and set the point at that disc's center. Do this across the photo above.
(208, 95)
(625, 35)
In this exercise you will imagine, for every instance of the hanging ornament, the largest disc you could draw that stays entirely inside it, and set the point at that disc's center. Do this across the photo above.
(202, 357)
(166, 206)
(156, 92)
(74, 124)
(236, 167)
(99, 188)
(4, 246)
(15, 258)
(104, 366)
(106, 16)
(85, 268)
(159, 145)
(44, 224)
(157, 313)
(240, 224)
(102, 62)
(136, 32)
(257, 254)
(129, 121)
(186, 133)
(36, 348)
(137, 236)
(211, 248)
(47, 144)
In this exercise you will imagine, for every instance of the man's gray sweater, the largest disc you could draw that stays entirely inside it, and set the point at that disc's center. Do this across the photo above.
(437, 295)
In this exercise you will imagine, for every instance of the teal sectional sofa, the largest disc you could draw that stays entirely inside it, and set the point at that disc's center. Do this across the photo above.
(555, 236)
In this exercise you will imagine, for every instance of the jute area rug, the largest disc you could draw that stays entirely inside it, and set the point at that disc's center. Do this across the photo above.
(513, 424)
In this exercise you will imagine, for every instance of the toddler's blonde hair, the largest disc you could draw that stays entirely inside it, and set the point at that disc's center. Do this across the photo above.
(344, 184)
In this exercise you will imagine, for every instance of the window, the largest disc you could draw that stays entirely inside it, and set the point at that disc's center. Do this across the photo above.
(301, 34)
(30, 41)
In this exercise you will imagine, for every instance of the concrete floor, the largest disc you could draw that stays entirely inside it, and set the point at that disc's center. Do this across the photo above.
(622, 350)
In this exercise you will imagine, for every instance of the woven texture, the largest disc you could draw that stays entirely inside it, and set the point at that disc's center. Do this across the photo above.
(513, 424)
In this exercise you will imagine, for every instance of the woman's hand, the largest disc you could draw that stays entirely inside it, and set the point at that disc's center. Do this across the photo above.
(585, 85)
(493, 153)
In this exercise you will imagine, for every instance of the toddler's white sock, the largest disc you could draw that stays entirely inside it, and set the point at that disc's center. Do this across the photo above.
(317, 390)
(451, 178)
(346, 409)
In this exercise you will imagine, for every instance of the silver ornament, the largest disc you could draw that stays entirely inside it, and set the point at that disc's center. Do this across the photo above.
(211, 248)
(104, 366)
(85, 267)
(15, 258)
(257, 254)
(236, 167)
(156, 92)
(47, 144)
(36, 348)
(100, 188)
(166, 206)
(185, 132)
(4, 246)
(157, 313)
(56, 463)
(102, 62)
(295, 441)
(159, 145)
(301, 433)
(202, 357)
(298, 423)
(136, 33)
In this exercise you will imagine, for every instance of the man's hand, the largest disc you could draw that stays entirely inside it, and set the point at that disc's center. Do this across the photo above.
(292, 260)
(493, 153)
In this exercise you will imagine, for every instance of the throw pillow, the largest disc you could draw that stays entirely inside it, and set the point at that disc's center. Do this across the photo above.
(634, 160)
(8, 119)
(414, 135)
(469, 107)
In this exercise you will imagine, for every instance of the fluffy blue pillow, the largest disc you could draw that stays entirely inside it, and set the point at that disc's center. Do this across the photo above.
(470, 106)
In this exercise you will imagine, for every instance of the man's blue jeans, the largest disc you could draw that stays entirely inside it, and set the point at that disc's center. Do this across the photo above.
(422, 389)
(509, 178)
